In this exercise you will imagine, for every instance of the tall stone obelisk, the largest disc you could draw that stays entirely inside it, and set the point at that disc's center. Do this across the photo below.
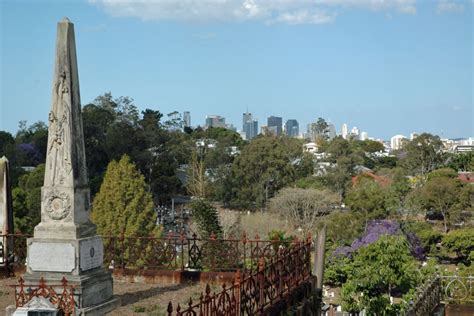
(65, 241)
(6, 211)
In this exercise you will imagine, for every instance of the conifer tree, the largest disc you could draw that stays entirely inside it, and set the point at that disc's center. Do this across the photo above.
(123, 204)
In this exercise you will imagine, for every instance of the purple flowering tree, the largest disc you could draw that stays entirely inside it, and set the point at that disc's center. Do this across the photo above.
(374, 230)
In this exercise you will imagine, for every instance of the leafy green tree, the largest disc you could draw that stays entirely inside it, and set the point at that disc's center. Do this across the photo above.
(160, 150)
(423, 154)
(428, 236)
(266, 165)
(460, 241)
(370, 146)
(319, 130)
(442, 195)
(338, 179)
(339, 147)
(370, 198)
(206, 218)
(336, 273)
(6, 141)
(96, 119)
(462, 161)
(21, 220)
(377, 271)
(337, 223)
(123, 203)
(27, 200)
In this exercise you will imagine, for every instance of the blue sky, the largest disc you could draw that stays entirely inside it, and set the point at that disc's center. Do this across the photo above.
(386, 66)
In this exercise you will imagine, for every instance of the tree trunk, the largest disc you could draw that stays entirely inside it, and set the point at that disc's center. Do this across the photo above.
(445, 223)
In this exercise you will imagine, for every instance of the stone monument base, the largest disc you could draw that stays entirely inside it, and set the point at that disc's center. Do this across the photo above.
(93, 289)
(80, 262)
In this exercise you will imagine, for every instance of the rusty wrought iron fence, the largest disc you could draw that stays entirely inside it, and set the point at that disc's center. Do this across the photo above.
(172, 252)
(180, 252)
(278, 283)
(60, 295)
(13, 251)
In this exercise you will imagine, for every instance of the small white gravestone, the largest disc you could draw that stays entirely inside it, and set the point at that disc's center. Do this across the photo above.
(38, 306)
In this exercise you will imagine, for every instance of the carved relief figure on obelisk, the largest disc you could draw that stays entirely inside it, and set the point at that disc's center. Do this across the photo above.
(65, 243)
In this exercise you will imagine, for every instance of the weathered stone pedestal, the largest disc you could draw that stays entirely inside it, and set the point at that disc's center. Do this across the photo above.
(80, 262)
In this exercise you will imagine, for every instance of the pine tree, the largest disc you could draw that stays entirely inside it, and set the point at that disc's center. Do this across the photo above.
(206, 218)
(123, 204)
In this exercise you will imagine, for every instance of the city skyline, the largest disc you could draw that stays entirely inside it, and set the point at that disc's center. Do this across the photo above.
(403, 67)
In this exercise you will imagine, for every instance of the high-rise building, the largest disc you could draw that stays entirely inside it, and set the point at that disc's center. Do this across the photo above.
(396, 142)
(246, 117)
(344, 131)
(331, 131)
(274, 124)
(364, 136)
(292, 128)
(186, 119)
(215, 121)
(249, 126)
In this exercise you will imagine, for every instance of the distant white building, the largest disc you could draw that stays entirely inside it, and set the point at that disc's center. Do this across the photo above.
(355, 132)
(364, 136)
(186, 119)
(396, 142)
(344, 131)
(310, 148)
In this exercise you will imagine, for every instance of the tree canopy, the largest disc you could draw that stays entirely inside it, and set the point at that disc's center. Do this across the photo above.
(123, 204)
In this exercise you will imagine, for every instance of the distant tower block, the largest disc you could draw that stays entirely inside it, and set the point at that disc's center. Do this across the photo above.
(65, 243)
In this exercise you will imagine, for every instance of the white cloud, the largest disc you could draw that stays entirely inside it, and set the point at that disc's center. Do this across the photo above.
(268, 11)
(403, 6)
(446, 6)
(304, 17)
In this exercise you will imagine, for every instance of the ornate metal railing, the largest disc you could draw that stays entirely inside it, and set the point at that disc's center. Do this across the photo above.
(60, 295)
(175, 252)
(188, 253)
(446, 289)
(277, 283)
(457, 289)
(427, 298)
(13, 251)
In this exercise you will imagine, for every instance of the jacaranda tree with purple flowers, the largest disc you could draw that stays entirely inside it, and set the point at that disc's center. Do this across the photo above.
(376, 229)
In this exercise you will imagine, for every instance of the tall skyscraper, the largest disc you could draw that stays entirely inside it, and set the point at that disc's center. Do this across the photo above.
(292, 128)
(344, 131)
(186, 119)
(331, 131)
(249, 126)
(274, 124)
(364, 136)
(215, 121)
(246, 117)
